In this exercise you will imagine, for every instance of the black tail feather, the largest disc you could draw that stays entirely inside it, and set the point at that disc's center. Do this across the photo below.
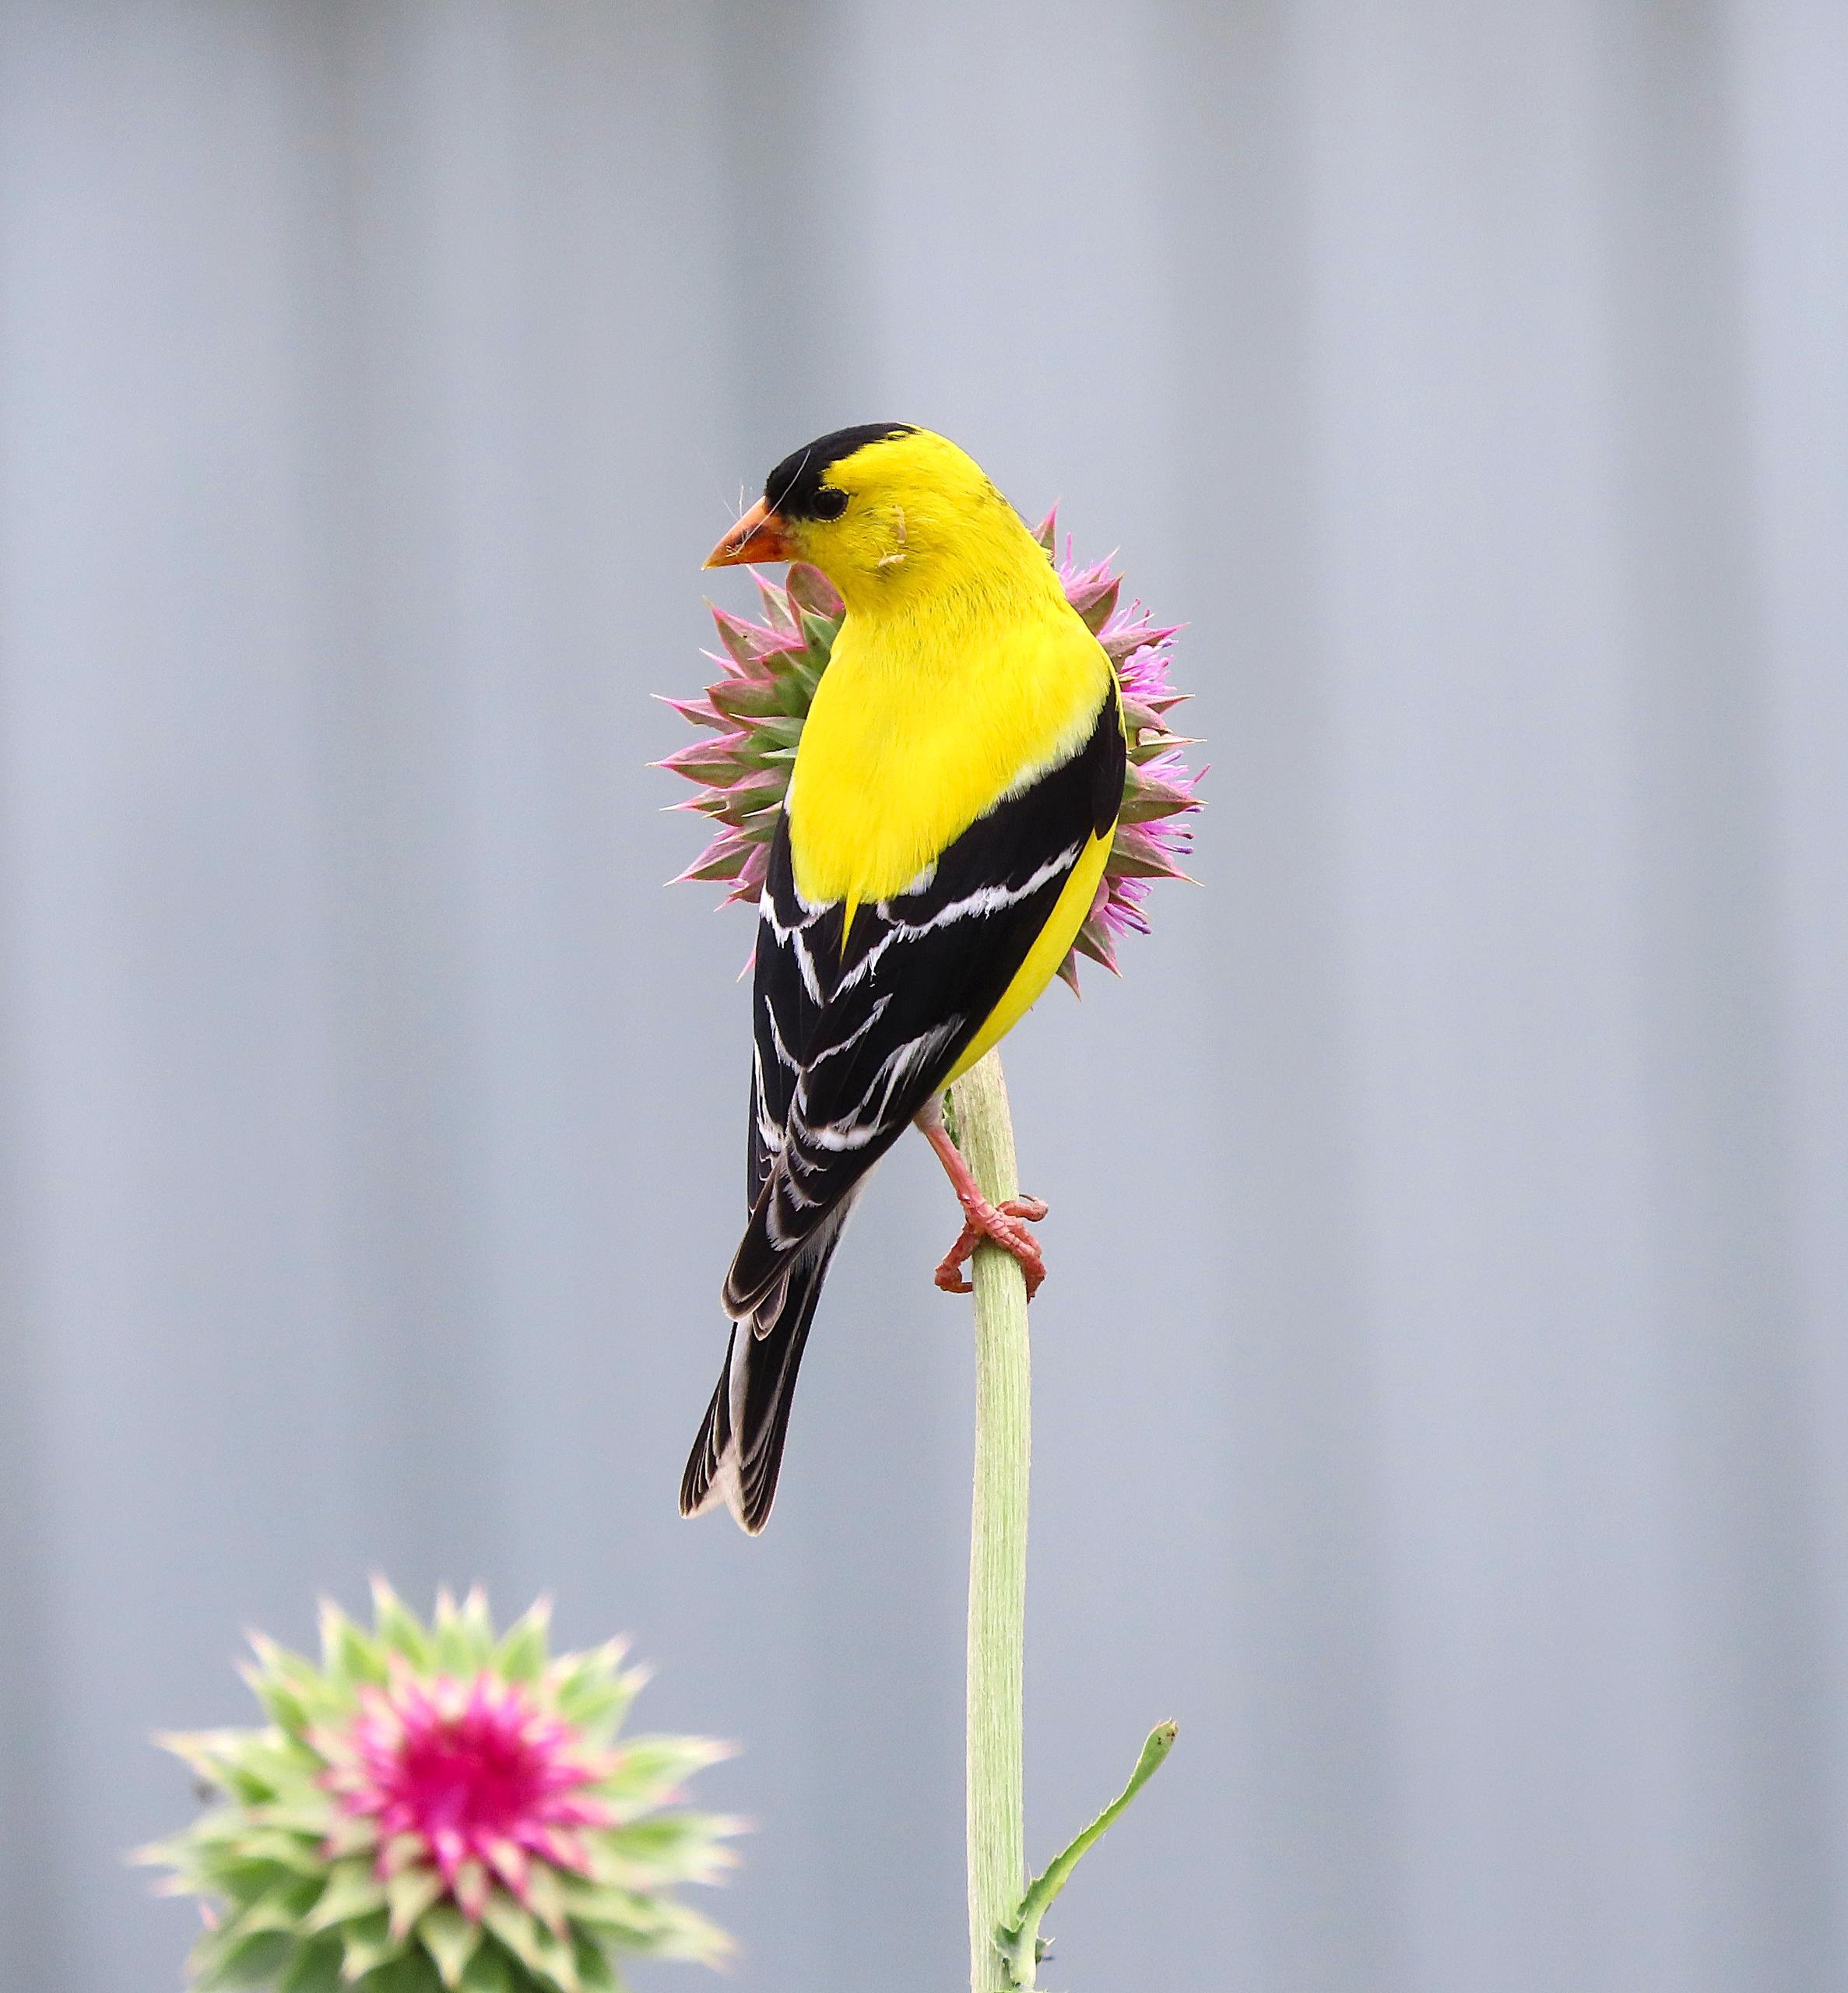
(739, 1450)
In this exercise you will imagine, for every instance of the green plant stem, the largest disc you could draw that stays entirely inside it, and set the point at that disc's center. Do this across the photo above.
(984, 1132)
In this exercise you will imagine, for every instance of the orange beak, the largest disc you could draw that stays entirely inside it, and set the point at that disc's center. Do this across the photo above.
(759, 535)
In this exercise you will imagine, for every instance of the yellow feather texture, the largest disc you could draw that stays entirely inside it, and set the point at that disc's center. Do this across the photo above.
(961, 672)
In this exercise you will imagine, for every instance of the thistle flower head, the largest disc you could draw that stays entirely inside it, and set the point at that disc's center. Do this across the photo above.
(471, 1779)
(751, 718)
(435, 1807)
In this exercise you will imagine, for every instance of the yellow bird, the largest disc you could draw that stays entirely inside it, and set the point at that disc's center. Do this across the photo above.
(953, 799)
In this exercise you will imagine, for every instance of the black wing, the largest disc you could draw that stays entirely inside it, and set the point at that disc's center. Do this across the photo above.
(850, 1043)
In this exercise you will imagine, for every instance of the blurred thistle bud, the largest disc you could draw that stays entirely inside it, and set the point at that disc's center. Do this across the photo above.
(753, 715)
(439, 1809)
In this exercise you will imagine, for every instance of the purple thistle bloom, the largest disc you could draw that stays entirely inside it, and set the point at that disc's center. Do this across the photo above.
(751, 718)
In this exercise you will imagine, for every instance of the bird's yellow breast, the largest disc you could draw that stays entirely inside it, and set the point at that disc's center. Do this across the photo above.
(921, 724)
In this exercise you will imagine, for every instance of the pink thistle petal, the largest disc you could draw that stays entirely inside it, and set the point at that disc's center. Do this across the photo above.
(449, 1848)
(1139, 853)
(1089, 590)
(412, 1708)
(471, 1778)
(1145, 658)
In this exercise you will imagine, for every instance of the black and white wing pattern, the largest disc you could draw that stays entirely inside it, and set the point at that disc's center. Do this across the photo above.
(849, 1043)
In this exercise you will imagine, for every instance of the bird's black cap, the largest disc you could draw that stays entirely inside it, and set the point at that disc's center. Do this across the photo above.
(797, 489)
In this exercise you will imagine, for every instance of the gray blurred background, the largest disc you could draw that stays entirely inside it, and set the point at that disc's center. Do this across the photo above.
(1441, 1385)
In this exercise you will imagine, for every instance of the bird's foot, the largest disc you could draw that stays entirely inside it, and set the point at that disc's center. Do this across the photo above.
(1000, 1225)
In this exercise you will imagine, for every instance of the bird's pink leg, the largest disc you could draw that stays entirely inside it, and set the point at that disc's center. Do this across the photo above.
(1000, 1223)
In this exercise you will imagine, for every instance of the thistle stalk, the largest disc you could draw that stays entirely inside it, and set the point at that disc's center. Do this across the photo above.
(984, 1132)
(750, 721)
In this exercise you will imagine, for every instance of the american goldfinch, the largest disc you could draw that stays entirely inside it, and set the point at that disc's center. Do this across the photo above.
(953, 798)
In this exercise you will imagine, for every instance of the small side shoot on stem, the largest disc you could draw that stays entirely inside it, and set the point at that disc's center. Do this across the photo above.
(1019, 1943)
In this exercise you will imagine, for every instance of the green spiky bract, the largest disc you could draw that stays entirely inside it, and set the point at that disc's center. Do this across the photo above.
(300, 1895)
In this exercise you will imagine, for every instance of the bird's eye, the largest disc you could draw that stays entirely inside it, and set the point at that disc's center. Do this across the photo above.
(830, 502)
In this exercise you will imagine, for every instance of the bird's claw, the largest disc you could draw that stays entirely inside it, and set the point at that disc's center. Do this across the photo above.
(1000, 1225)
